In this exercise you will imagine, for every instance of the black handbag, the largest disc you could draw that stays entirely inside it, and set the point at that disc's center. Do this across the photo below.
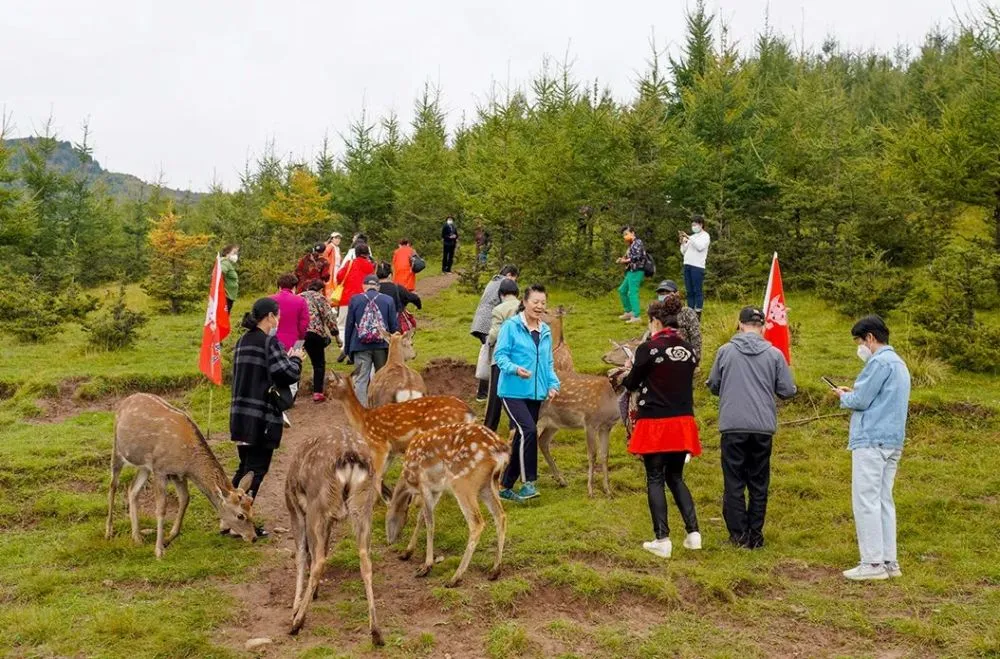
(281, 397)
(417, 264)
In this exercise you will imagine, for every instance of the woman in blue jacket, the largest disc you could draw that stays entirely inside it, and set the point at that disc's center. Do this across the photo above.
(523, 354)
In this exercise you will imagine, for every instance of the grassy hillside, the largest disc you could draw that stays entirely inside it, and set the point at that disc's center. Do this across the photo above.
(576, 581)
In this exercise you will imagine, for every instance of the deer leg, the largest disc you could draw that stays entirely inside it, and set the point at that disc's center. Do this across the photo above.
(301, 551)
(116, 469)
(412, 546)
(133, 502)
(317, 533)
(591, 458)
(545, 446)
(603, 442)
(183, 497)
(491, 497)
(362, 521)
(386, 491)
(430, 501)
(160, 493)
(469, 504)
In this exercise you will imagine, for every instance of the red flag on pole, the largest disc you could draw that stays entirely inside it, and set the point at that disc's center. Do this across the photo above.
(776, 313)
(216, 327)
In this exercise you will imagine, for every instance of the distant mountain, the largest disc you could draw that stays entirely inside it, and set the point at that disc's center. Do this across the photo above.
(122, 186)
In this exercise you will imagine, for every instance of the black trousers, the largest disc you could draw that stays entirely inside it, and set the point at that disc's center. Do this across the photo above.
(493, 404)
(315, 346)
(256, 459)
(229, 304)
(484, 385)
(746, 465)
(448, 257)
(667, 469)
(523, 463)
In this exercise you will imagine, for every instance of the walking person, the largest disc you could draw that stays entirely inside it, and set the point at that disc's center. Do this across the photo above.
(665, 432)
(695, 251)
(527, 378)
(508, 308)
(481, 320)
(230, 256)
(333, 257)
(880, 401)
(312, 266)
(255, 422)
(482, 242)
(402, 268)
(351, 274)
(747, 375)
(399, 293)
(320, 333)
(449, 240)
(634, 261)
(368, 315)
(294, 311)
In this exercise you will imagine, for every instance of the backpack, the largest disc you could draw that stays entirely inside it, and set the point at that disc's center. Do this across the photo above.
(371, 325)
(649, 266)
(417, 264)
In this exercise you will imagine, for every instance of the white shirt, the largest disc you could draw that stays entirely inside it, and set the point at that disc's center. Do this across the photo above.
(695, 249)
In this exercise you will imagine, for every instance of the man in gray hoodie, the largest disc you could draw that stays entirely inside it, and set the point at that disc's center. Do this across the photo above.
(747, 375)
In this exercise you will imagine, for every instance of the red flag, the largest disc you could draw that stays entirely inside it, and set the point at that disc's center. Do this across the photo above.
(776, 313)
(216, 327)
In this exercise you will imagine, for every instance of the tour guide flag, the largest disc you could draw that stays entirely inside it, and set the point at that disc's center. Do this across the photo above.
(776, 313)
(216, 327)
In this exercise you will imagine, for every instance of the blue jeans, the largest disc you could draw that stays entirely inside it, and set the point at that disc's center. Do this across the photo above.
(694, 282)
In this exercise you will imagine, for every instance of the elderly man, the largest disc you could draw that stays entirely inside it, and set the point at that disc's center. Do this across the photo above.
(484, 314)
(368, 349)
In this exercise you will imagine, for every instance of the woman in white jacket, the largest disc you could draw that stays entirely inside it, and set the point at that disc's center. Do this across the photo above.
(695, 251)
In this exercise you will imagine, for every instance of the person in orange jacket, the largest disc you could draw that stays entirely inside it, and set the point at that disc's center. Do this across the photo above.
(402, 271)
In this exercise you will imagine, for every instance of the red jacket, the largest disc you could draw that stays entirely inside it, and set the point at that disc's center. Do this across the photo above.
(310, 267)
(352, 274)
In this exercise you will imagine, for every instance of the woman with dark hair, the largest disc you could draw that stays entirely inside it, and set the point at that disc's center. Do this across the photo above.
(320, 333)
(665, 432)
(399, 293)
(312, 266)
(352, 275)
(259, 362)
(230, 254)
(528, 377)
(294, 311)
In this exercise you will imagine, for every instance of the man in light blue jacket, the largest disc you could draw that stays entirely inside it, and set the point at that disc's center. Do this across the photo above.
(880, 399)
(523, 354)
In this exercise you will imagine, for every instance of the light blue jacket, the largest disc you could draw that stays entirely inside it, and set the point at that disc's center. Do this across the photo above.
(514, 348)
(880, 400)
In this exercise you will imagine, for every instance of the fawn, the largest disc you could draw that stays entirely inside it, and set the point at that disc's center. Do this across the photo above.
(162, 441)
(389, 429)
(396, 382)
(330, 479)
(465, 458)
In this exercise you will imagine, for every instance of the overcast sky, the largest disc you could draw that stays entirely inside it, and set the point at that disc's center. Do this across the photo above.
(194, 88)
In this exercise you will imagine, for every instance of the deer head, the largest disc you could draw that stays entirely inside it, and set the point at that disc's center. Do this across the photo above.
(400, 344)
(395, 516)
(620, 352)
(236, 509)
(337, 386)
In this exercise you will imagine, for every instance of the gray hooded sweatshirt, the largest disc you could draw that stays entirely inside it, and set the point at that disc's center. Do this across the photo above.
(747, 374)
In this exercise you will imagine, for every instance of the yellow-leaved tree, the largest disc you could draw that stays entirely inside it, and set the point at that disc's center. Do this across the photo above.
(301, 204)
(174, 260)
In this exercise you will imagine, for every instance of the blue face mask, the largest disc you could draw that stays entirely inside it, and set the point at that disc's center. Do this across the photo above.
(695, 228)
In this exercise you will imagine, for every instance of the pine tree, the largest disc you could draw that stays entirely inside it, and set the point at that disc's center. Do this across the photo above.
(174, 277)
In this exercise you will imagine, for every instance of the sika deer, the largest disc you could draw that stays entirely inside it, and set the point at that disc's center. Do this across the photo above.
(562, 357)
(396, 382)
(330, 479)
(467, 459)
(620, 352)
(163, 441)
(389, 429)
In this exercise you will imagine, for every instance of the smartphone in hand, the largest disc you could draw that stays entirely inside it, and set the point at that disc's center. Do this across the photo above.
(298, 345)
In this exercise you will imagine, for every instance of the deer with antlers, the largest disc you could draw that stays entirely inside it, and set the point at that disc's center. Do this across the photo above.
(165, 443)
(331, 478)
(396, 382)
(467, 459)
(389, 429)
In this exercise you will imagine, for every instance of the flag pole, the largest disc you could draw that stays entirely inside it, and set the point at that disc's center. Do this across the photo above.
(208, 426)
(767, 290)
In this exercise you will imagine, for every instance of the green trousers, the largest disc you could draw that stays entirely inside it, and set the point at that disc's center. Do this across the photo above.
(629, 291)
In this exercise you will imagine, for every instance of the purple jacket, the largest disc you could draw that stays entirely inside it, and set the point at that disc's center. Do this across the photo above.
(293, 312)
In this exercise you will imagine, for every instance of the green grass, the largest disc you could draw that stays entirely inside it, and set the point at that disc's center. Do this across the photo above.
(576, 581)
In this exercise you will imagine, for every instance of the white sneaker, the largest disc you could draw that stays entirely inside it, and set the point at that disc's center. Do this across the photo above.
(892, 569)
(692, 541)
(626, 316)
(661, 548)
(866, 572)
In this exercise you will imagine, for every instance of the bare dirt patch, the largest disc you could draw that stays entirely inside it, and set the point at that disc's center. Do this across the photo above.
(450, 377)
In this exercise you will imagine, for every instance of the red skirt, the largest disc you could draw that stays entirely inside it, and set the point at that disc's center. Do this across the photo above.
(675, 433)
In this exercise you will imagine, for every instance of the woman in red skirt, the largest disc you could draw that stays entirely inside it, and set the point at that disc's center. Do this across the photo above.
(665, 431)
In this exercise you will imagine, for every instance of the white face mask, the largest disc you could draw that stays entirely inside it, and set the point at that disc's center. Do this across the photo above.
(695, 228)
(661, 298)
(864, 352)
(234, 257)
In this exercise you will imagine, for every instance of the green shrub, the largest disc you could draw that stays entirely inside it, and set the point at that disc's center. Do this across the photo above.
(117, 326)
(867, 285)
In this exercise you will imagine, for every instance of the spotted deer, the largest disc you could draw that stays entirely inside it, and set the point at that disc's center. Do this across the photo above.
(396, 382)
(165, 443)
(388, 429)
(621, 352)
(562, 356)
(331, 478)
(467, 459)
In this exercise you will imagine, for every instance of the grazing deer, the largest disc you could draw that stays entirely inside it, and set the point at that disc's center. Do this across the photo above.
(587, 402)
(467, 459)
(396, 382)
(331, 478)
(162, 441)
(389, 429)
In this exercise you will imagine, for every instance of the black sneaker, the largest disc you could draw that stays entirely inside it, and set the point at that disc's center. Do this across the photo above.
(341, 357)
(261, 533)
